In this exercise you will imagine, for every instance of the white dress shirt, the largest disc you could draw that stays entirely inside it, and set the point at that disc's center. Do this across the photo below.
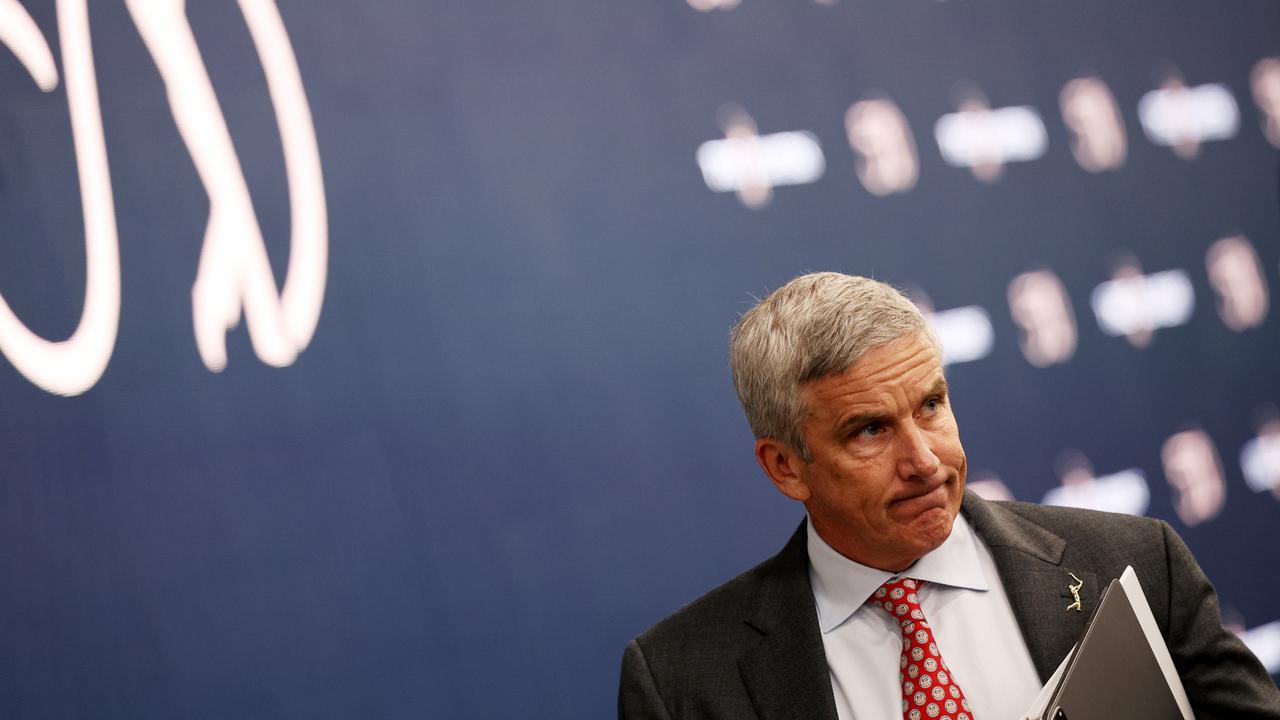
(967, 609)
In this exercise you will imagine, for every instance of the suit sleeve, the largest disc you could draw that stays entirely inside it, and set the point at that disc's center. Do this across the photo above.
(1222, 677)
(638, 697)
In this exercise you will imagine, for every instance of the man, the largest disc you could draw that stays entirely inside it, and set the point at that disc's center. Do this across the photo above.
(902, 596)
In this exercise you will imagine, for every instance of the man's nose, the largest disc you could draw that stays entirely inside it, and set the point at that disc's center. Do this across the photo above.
(917, 459)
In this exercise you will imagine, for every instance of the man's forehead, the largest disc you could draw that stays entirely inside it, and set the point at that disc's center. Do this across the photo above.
(909, 358)
(860, 390)
(877, 384)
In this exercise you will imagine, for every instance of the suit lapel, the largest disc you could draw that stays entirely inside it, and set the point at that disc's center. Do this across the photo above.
(1029, 559)
(1039, 597)
(786, 674)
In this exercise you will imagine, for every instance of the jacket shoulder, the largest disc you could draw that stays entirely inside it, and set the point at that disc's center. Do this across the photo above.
(728, 621)
(709, 618)
(1081, 527)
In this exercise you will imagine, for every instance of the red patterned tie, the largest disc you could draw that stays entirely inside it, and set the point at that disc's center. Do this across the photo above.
(928, 689)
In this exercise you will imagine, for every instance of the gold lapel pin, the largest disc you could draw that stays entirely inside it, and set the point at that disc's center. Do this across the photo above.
(1075, 593)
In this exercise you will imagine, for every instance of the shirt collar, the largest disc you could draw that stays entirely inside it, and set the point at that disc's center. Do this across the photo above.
(841, 586)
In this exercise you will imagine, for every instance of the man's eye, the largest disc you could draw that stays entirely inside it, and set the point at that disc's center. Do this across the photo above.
(871, 429)
(933, 403)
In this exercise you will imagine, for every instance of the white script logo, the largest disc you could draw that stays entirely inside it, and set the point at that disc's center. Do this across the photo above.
(233, 274)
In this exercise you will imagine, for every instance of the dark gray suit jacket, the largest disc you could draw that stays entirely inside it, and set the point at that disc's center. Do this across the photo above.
(752, 648)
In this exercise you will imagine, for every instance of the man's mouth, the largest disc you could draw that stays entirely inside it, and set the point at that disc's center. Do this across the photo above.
(927, 499)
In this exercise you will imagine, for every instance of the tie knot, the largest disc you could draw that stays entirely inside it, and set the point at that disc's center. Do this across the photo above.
(899, 598)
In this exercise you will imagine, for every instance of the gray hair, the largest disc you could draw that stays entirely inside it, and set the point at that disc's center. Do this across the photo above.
(814, 326)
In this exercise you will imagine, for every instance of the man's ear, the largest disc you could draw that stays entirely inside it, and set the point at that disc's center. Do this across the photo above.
(784, 466)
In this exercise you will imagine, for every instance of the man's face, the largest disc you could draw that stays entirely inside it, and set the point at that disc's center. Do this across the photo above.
(888, 470)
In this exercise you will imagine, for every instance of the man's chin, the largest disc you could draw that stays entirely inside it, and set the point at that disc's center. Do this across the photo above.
(932, 527)
(919, 538)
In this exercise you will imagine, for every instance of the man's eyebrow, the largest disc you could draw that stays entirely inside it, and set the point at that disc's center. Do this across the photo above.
(856, 421)
(940, 387)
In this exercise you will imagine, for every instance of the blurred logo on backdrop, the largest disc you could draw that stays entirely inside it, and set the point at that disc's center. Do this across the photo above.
(234, 277)
(1092, 115)
(1194, 471)
(879, 134)
(752, 165)
(1184, 118)
(1123, 491)
(984, 139)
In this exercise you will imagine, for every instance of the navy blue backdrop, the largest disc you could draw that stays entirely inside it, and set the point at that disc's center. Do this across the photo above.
(512, 443)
